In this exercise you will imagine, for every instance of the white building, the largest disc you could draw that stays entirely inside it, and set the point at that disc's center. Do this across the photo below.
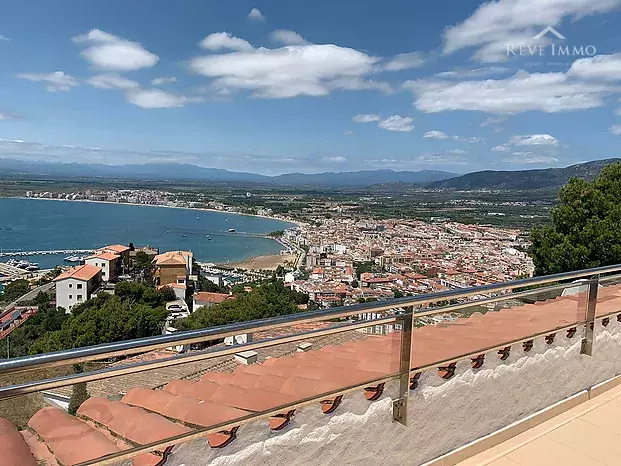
(107, 263)
(76, 285)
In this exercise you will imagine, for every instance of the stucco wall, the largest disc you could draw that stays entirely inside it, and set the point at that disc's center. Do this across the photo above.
(442, 414)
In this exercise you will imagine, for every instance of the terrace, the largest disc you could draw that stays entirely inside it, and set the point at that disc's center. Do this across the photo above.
(315, 388)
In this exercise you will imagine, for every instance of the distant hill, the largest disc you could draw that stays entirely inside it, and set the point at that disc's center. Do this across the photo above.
(174, 171)
(546, 178)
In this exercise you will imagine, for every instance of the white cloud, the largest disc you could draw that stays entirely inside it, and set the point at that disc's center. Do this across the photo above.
(4, 116)
(502, 148)
(616, 130)
(534, 140)
(473, 73)
(397, 123)
(287, 37)
(156, 98)
(529, 158)
(107, 51)
(289, 71)
(256, 15)
(4, 38)
(497, 23)
(348, 132)
(225, 41)
(604, 67)
(546, 92)
(435, 135)
(404, 61)
(112, 81)
(335, 159)
(366, 118)
(163, 80)
(441, 158)
(57, 81)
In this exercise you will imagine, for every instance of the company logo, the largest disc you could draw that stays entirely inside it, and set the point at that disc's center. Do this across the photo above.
(538, 49)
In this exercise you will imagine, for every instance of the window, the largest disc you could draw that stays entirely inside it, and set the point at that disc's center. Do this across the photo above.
(70, 296)
(79, 297)
(70, 285)
(79, 286)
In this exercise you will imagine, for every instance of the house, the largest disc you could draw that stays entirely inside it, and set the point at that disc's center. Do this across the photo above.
(108, 262)
(178, 288)
(120, 250)
(76, 285)
(206, 299)
(171, 265)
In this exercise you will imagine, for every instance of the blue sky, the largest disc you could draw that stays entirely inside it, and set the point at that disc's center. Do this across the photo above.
(290, 86)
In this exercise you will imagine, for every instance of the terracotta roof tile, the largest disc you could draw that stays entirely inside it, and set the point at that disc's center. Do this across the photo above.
(82, 272)
(107, 256)
(15, 450)
(207, 297)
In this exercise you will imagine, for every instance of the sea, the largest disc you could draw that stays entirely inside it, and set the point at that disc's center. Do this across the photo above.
(43, 225)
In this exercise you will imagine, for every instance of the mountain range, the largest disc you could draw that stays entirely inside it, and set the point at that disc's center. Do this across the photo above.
(174, 171)
(428, 179)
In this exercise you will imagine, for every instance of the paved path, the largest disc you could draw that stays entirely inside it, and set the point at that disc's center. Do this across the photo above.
(32, 294)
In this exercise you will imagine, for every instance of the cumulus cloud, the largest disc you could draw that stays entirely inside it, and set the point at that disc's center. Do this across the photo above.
(404, 61)
(397, 123)
(110, 52)
(112, 81)
(366, 118)
(473, 73)
(287, 37)
(546, 92)
(335, 159)
(4, 38)
(616, 130)
(493, 121)
(256, 15)
(450, 158)
(225, 41)
(534, 140)
(156, 98)
(57, 81)
(289, 71)
(435, 135)
(348, 132)
(163, 80)
(601, 67)
(502, 148)
(497, 23)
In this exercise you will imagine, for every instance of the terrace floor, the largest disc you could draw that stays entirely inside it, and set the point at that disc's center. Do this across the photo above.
(586, 435)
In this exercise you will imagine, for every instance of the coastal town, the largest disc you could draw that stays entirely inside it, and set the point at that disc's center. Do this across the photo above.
(333, 259)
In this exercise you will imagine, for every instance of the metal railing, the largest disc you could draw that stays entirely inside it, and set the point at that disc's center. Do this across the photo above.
(408, 309)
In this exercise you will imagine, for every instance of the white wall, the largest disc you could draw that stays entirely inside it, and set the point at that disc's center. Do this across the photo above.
(108, 268)
(443, 415)
(67, 292)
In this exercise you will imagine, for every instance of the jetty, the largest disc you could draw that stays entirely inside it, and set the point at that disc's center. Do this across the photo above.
(41, 253)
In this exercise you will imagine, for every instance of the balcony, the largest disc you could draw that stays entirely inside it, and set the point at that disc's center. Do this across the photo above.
(449, 376)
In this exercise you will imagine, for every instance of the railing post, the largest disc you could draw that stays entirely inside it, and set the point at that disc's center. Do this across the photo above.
(400, 405)
(587, 341)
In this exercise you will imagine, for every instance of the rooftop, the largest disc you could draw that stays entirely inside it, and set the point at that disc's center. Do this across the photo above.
(82, 272)
(107, 256)
(215, 298)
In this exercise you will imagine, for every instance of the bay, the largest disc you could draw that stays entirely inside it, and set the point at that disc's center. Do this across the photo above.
(38, 225)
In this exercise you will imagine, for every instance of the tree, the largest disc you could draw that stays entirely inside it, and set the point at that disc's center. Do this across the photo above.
(79, 394)
(15, 290)
(586, 229)
(142, 262)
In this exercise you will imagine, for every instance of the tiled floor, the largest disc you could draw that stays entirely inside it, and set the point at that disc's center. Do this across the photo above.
(587, 435)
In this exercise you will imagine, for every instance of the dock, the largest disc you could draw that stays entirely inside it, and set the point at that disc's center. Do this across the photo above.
(41, 253)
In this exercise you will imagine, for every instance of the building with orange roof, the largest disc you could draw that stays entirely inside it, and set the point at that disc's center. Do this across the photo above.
(170, 265)
(76, 285)
(207, 299)
(108, 262)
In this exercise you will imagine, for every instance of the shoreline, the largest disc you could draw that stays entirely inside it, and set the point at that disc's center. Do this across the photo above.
(265, 262)
(205, 209)
(245, 261)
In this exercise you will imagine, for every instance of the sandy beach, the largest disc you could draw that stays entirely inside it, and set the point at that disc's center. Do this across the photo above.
(267, 262)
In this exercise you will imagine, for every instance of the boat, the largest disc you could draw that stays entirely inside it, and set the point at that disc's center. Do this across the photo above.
(74, 259)
(184, 236)
(231, 230)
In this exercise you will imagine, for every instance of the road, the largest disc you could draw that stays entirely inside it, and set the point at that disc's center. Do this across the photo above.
(32, 294)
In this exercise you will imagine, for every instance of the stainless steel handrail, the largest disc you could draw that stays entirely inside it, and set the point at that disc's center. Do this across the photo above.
(125, 348)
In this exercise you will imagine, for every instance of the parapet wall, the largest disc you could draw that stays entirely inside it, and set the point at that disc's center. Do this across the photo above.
(442, 414)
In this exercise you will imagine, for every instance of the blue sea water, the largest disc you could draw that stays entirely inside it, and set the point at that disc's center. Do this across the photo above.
(34, 225)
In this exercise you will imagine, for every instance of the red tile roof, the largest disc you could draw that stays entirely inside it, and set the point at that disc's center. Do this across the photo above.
(118, 248)
(82, 272)
(144, 415)
(107, 256)
(214, 298)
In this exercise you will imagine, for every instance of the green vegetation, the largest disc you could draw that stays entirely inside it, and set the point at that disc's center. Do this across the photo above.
(363, 267)
(14, 290)
(267, 299)
(79, 393)
(276, 234)
(142, 262)
(135, 311)
(586, 228)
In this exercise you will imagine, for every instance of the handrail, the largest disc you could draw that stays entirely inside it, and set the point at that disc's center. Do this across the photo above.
(140, 345)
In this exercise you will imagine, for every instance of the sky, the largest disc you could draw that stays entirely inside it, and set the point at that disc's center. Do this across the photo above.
(285, 86)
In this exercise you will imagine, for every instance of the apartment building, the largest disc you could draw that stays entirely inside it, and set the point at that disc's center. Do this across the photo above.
(76, 285)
